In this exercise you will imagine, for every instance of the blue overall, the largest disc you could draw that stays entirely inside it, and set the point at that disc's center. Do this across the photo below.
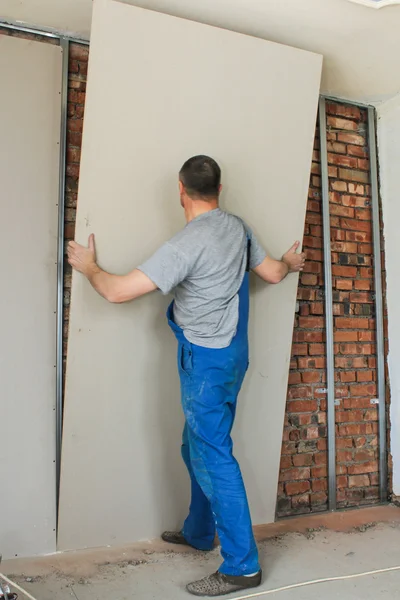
(210, 383)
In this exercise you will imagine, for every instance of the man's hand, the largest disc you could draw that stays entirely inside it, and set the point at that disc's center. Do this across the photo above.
(294, 261)
(82, 259)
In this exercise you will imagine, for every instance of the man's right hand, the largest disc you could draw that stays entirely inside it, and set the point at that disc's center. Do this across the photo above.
(294, 261)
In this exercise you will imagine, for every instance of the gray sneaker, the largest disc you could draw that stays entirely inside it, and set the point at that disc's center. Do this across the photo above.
(219, 584)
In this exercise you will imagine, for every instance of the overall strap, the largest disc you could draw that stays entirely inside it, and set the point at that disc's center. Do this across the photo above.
(248, 252)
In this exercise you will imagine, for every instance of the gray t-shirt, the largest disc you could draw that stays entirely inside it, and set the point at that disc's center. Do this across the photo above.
(203, 266)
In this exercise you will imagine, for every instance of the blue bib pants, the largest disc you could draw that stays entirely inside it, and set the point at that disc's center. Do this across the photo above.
(210, 383)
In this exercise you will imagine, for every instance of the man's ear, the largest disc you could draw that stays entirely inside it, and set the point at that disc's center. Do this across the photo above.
(181, 187)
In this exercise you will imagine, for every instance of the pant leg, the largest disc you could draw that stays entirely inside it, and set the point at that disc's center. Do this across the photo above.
(209, 398)
(199, 527)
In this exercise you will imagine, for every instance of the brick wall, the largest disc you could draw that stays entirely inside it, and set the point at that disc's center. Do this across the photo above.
(303, 485)
(303, 479)
(78, 64)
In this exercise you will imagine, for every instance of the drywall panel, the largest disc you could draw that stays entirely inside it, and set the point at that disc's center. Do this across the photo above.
(389, 157)
(160, 90)
(30, 75)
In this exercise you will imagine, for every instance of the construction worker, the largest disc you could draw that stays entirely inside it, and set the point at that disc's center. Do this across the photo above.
(206, 268)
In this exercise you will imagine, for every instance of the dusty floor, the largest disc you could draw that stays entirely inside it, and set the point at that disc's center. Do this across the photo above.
(291, 551)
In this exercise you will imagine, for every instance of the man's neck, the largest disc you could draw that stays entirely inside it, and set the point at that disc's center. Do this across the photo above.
(199, 207)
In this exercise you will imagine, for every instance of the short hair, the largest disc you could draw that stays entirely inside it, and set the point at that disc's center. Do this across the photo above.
(201, 176)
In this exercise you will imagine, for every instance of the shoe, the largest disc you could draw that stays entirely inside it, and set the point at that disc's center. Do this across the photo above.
(175, 537)
(219, 584)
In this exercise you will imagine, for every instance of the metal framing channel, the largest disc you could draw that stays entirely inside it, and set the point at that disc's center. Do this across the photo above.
(330, 365)
(64, 43)
(380, 345)
(36, 31)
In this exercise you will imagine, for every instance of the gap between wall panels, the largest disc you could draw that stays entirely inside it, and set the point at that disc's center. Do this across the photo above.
(354, 434)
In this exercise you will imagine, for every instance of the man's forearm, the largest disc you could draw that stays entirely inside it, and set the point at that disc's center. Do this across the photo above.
(119, 288)
(104, 283)
(284, 269)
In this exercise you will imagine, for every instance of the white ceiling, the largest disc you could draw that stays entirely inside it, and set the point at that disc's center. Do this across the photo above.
(361, 45)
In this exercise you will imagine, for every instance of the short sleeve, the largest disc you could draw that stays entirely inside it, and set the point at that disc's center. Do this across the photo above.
(257, 252)
(166, 268)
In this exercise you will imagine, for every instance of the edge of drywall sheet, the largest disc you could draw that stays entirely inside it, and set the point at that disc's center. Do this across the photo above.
(387, 133)
(380, 344)
(64, 45)
(198, 22)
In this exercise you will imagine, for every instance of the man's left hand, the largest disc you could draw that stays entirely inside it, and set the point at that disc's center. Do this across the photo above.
(294, 261)
(82, 259)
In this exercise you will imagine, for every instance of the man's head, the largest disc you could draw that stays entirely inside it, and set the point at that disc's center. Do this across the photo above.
(200, 180)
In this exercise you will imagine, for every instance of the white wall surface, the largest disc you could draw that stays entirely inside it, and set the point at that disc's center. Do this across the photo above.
(360, 45)
(170, 89)
(389, 160)
(30, 84)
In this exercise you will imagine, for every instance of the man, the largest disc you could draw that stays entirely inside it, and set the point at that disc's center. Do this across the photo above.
(206, 267)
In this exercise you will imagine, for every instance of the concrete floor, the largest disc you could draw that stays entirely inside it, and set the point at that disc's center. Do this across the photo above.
(291, 551)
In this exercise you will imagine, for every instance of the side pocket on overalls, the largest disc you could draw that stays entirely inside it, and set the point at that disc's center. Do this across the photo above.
(186, 358)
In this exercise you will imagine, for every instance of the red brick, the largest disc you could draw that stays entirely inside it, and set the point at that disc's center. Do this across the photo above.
(336, 147)
(294, 378)
(347, 376)
(366, 467)
(351, 323)
(353, 175)
(309, 279)
(358, 481)
(355, 225)
(311, 322)
(346, 336)
(344, 284)
(344, 456)
(371, 415)
(303, 460)
(77, 98)
(295, 474)
(298, 406)
(363, 284)
(300, 502)
(78, 52)
(311, 377)
(300, 392)
(351, 138)
(348, 416)
(363, 390)
(308, 336)
(357, 402)
(344, 443)
(316, 349)
(365, 454)
(342, 481)
(338, 123)
(319, 485)
(318, 472)
(299, 487)
(341, 271)
(356, 188)
(356, 151)
(312, 363)
(343, 161)
(365, 376)
(339, 186)
(346, 247)
(319, 498)
(286, 462)
(299, 349)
